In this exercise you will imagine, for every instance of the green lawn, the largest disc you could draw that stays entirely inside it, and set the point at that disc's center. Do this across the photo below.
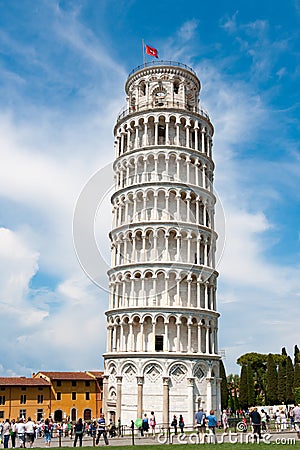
(225, 446)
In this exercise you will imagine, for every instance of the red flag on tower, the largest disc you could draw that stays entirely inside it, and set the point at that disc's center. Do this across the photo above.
(151, 51)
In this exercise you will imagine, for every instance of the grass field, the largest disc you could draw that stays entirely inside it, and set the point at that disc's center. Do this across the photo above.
(224, 446)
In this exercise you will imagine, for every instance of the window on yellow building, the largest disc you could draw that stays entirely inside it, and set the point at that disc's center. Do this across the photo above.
(2, 399)
(58, 383)
(73, 395)
(22, 413)
(40, 388)
(87, 383)
(23, 399)
(2, 388)
(87, 395)
(40, 398)
(58, 395)
(23, 388)
(74, 383)
(1, 414)
(39, 414)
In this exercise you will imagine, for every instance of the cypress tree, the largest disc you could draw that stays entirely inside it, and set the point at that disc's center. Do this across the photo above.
(243, 398)
(250, 382)
(289, 391)
(271, 384)
(281, 382)
(296, 355)
(224, 388)
(283, 351)
(297, 376)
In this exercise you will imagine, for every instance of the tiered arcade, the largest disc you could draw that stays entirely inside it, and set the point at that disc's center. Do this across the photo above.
(162, 322)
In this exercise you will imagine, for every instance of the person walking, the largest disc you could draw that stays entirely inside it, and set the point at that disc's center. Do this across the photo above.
(29, 430)
(6, 433)
(200, 424)
(181, 423)
(212, 424)
(47, 432)
(78, 431)
(296, 417)
(256, 423)
(21, 433)
(153, 423)
(174, 424)
(13, 433)
(145, 424)
(225, 421)
(102, 430)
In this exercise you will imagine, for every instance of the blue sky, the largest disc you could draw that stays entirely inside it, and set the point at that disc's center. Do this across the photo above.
(63, 66)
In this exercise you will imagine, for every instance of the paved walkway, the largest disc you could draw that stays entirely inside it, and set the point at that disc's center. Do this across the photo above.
(283, 438)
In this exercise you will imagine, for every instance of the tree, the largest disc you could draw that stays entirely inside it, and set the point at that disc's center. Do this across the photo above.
(297, 395)
(243, 397)
(296, 355)
(297, 376)
(224, 388)
(283, 351)
(271, 385)
(250, 383)
(281, 382)
(289, 391)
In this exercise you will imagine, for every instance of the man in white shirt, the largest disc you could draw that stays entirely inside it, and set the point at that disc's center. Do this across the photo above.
(21, 432)
(29, 429)
(296, 416)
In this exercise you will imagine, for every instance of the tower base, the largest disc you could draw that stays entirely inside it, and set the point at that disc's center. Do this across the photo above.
(168, 386)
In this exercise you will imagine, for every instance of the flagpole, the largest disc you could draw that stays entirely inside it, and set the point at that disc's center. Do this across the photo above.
(144, 58)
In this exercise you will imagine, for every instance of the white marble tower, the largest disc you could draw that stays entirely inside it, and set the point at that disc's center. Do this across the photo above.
(162, 322)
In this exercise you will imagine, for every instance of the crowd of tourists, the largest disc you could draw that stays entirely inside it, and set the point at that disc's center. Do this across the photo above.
(22, 433)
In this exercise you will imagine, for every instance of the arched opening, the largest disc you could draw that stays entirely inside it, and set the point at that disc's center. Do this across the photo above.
(58, 415)
(87, 414)
(73, 414)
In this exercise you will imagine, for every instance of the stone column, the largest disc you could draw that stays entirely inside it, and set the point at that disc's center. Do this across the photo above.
(177, 133)
(202, 140)
(155, 133)
(208, 394)
(199, 337)
(190, 400)
(105, 395)
(140, 381)
(119, 397)
(218, 397)
(167, 141)
(145, 137)
(166, 405)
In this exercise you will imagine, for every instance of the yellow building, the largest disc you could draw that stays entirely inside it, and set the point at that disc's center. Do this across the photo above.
(24, 397)
(60, 395)
(74, 394)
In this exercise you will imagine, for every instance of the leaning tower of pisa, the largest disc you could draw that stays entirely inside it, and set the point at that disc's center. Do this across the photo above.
(162, 322)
